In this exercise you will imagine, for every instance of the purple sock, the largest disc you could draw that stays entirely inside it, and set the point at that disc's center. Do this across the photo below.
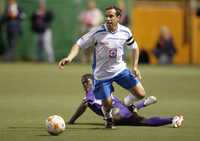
(139, 104)
(157, 121)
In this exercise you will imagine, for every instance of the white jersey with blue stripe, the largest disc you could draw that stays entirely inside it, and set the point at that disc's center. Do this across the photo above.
(108, 49)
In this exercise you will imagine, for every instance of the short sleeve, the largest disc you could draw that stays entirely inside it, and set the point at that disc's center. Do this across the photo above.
(86, 40)
(130, 42)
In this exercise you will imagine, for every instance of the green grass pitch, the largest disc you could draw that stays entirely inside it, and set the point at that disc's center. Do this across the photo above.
(29, 93)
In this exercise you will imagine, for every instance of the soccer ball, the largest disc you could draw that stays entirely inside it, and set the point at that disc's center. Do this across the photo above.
(55, 124)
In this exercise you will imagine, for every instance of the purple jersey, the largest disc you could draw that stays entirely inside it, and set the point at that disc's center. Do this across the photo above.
(126, 117)
(95, 105)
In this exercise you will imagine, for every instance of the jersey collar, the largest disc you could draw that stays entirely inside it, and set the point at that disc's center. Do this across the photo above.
(118, 28)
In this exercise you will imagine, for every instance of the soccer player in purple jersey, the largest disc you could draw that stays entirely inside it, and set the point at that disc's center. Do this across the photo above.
(122, 115)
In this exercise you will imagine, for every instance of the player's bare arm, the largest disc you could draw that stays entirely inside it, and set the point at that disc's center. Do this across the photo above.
(73, 53)
(135, 59)
(80, 110)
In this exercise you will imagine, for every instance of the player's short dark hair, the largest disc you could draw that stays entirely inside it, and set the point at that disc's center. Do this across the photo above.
(117, 9)
(85, 77)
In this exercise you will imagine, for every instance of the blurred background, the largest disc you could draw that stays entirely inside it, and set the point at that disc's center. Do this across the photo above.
(35, 34)
(167, 31)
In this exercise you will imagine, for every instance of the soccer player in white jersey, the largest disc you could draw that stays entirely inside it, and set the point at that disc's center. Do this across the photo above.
(109, 41)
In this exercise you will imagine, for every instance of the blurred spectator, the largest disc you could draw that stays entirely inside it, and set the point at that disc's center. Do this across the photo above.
(41, 24)
(198, 11)
(144, 57)
(165, 49)
(89, 18)
(124, 20)
(2, 47)
(12, 18)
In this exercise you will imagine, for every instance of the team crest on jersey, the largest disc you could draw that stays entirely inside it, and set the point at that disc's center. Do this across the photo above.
(113, 53)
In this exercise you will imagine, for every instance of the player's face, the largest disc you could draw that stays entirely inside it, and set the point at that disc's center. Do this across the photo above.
(87, 84)
(111, 19)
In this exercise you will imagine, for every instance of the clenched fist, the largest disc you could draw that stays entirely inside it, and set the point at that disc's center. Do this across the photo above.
(63, 62)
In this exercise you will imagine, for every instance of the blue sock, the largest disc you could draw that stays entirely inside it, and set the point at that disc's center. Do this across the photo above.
(157, 121)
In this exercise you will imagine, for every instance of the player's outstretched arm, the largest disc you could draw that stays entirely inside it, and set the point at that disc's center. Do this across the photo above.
(73, 53)
(80, 110)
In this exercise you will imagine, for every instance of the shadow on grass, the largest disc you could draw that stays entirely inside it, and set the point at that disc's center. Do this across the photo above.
(70, 128)
(93, 128)
(99, 124)
(43, 135)
(85, 125)
(25, 127)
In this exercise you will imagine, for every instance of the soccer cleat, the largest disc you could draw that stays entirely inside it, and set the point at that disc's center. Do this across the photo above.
(143, 103)
(177, 121)
(109, 124)
(150, 100)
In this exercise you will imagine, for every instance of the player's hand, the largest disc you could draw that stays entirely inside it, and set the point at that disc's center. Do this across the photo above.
(63, 62)
(136, 71)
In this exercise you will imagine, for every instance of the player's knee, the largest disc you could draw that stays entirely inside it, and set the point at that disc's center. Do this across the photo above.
(141, 95)
(138, 93)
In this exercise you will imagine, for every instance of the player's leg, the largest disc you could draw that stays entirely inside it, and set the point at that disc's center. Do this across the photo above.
(130, 82)
(138, 120)
(176, 121)
(102, 91)
(107, 109)
(138, 91)
(141, 103)
(156, 121)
